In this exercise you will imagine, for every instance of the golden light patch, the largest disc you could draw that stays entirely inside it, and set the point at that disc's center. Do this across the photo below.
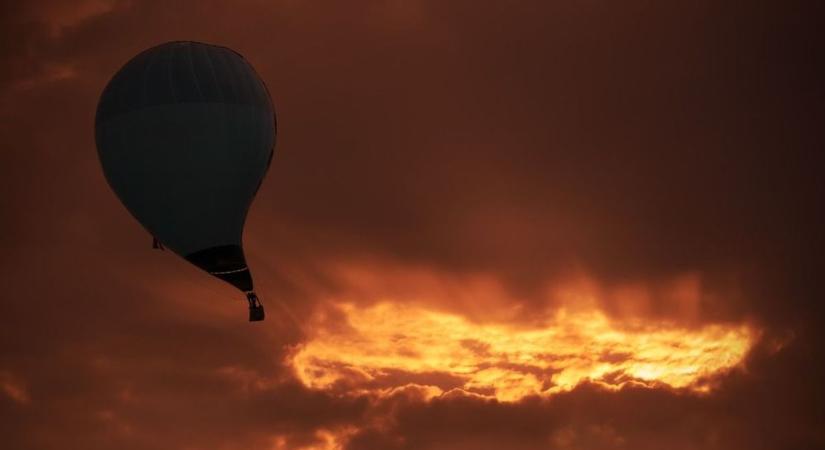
(389, 346)
(14, 388)
(325, 439)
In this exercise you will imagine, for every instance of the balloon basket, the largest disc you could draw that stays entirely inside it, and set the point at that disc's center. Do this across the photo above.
(256, 309)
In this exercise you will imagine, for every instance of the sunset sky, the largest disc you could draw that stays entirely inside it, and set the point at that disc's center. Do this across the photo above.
(573, 225)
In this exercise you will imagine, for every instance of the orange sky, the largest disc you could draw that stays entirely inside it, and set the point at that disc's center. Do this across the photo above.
(532, 225)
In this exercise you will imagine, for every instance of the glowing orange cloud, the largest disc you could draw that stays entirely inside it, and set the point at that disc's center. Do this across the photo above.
(388, 346)
(325, 439)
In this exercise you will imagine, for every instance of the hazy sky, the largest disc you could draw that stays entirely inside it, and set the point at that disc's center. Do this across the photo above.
(487, 225)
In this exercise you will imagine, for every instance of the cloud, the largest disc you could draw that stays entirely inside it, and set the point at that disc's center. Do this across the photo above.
(488, 163)
(13, 388)
(590, 417)
(392, 345)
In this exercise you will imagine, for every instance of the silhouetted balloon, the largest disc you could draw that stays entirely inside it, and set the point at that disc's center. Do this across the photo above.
(185, 133)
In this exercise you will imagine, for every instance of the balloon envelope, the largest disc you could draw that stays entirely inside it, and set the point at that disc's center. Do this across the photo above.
(185, 134)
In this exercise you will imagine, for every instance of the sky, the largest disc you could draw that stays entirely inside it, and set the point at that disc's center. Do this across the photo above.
(573, 225)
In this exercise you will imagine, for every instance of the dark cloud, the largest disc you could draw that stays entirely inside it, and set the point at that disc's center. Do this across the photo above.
(765, 409)
(636, 142)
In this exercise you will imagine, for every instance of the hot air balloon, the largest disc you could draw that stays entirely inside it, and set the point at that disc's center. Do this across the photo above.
(185, 134)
